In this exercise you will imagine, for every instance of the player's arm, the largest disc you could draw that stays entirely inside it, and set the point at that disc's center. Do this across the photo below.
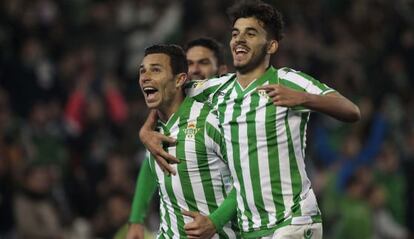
(205, 226)
(332, 104)
(145, 188)
(304, 91)
(153, 141)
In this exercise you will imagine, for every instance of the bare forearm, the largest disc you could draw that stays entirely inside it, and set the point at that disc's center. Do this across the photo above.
(333, 104)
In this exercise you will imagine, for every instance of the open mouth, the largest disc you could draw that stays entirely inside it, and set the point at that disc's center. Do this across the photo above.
(241, 50)
(150, 92)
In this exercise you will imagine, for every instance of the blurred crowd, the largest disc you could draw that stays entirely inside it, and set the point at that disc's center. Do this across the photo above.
(71, 108)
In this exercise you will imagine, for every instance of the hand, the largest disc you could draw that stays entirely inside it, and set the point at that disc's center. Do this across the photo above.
(201, 227)
(153, 141)
(283, 96)
(135, 231)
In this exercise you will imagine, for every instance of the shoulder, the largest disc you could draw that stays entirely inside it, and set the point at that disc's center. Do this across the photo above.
(295, 78)
(212, 81)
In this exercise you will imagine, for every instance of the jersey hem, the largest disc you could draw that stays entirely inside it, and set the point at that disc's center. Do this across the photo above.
(268, 231)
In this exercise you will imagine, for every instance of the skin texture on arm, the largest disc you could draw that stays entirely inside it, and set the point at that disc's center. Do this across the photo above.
(135, 231)
(332, 104)
(205, 226)
(153, 142)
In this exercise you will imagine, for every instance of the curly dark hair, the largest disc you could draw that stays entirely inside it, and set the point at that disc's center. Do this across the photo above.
(178, 60)
(210, 43)
(266, 13)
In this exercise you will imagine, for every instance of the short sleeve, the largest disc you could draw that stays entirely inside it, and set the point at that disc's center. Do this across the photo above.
(302, 82)
(201, 90)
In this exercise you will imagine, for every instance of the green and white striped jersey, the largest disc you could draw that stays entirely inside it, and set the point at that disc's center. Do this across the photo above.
(265, 149)
(203, 179)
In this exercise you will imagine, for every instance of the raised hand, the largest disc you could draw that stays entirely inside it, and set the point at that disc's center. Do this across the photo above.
(283, 96)
(153, 142)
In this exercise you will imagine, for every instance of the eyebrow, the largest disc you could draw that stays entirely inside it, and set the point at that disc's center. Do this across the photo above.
(247, 29)
(198, 60)
(154, 64)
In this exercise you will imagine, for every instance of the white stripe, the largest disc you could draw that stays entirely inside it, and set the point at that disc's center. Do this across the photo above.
(244, 162)
(176, 182)
(228, 113)
(284, 164)
(193, 167)
(164, 225)
(262, 155)
(168, 204)
(294, 120)
(229, 232)
(216, 165)
(303, 82)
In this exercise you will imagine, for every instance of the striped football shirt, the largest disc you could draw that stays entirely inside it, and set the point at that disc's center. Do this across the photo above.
(203, 179)
(265, 149)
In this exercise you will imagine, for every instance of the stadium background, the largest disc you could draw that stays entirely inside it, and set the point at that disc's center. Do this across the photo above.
(70, 108)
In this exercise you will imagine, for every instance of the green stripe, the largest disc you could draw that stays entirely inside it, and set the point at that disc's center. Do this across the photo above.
(184, 107)
(213, 133)
(188, 192)
(294, 171)
(217, 137)
(166, 216)
(202, 161)
(170, 192)
(223, 88)
(269, 74)
(303, 121)
(273, 157)
(291, 84)
(234, 128)
(253, 159)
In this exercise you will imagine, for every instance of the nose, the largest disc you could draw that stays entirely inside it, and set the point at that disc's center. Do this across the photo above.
(194, 69)
(240, 38)
(144, 77)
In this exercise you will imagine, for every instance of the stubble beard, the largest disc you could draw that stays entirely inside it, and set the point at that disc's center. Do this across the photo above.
(253, 63)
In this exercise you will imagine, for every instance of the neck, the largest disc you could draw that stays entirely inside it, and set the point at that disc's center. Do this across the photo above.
(245, 78)
(170, 107)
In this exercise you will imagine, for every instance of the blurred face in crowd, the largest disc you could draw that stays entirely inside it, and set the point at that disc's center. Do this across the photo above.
(158, 84)
(38, 180)
(249, 44)
(202, 63)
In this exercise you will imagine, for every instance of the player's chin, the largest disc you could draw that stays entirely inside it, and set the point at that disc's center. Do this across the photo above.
(152, 105)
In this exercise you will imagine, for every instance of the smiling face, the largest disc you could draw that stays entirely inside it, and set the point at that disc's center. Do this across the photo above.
(202, 63)
(157, 81)
(249, 44)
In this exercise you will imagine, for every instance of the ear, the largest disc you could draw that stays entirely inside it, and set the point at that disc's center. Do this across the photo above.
(222, 70)
(272, 46)
(180, 80)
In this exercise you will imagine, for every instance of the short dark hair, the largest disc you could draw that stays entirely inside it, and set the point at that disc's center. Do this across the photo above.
(210, 43)
(178, 61)
(266, 13)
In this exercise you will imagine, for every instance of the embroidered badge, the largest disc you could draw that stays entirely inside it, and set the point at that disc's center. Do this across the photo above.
(263, 93)
(191, 130)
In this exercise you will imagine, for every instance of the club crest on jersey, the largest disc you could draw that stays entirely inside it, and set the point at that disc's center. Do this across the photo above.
(191, 130)
(263, 93)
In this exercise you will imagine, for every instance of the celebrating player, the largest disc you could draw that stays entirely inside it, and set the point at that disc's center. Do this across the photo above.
(263, 112)
(203, 178)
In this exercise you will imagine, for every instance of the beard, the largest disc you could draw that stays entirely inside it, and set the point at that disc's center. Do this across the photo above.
(254, 62)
